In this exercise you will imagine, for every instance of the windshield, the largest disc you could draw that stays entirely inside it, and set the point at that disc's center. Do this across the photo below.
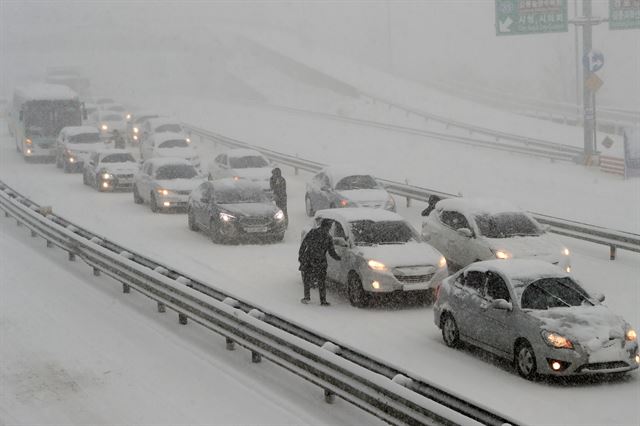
(176, 171)
(506, 225)
(118, 158)
(85, 138)
(176, 128)
(389, 232)
(240, 195)
(46, 118)
(357, 182)
(174, 143)
(553, 293)
(112, 117)
(248, 162)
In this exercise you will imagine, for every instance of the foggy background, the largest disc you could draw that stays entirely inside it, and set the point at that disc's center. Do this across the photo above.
(133, 48)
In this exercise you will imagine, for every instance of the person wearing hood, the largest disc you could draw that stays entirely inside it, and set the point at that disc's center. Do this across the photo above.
(118, 140)
(279, 188)
(312, 257)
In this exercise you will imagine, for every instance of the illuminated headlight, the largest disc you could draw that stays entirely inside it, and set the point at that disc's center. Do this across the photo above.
(279, 215)
(136, 130)
(28, 141)
(375, 285)
(28, 151)
(104, 127)
(163, 192)
(376, 266)
(637, 359)
(128, 116)
(105, 184)
(566, 251)
(568, 269)
(72, 160)
(226, 217)
(502, 254)
(166, 204)
(107, 176)
(188, 140)
(391, 204)
(442, 263)
(631, 335)
(135, 137)
(556, 340)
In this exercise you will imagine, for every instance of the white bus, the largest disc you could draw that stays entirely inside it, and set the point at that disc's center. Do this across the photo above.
(38, 113)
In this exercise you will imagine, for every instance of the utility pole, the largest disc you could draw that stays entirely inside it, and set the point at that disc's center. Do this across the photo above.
(587, 94)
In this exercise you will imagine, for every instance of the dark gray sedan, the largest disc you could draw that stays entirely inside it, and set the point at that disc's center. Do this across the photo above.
(533, 313)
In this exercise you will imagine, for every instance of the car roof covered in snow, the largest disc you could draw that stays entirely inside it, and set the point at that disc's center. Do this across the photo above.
(477, 206)
(352, 214)
(338, 172)
(228, 184)
(168, 136)
(519, 269)
(44, 91)
(243, 152)
(79, 130)
(167, 161)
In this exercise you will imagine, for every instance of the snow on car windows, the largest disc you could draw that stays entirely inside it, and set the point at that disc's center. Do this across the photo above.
(85, 138)
(176, 171)
(357, 182)
(247, 162)
(174, 143)
(506, 225)
(239, 195)
(387, 232)
(553, 293)
(118, 158)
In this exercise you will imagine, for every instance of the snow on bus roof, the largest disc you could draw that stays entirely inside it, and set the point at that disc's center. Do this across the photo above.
(352, 214)
(477, 206)
(80, 130)
(44, 91)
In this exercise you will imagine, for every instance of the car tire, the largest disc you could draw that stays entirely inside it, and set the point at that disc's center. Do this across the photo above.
(191, 220)
(136, 195)
(58, 161)
(308, 206)
(153, 203)
(525, 361)
(357, 296)
(278, 238)
(214, 233)
(450, 331)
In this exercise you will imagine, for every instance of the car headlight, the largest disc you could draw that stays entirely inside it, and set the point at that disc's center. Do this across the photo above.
(163, 192)
(390, 204)
(106, 176)
(630, 335)
(28, 141)
(226, 217)
(279, 215)
(555, 340)
(188, 140)
(503, 254)
(136, 130)
(104, 127)
(128, 116)
(566, 251)
(377, 266)
(442, 263)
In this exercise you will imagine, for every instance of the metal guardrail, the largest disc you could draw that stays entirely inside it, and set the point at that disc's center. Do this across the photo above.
(383, 390)
(596, 234)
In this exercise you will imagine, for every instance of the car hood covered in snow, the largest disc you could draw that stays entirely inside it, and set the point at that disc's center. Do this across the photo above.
(528, 247)
(251, 209)
(363, 195)
(120, 168)
(254, 174)
(177, 152)
(409, 254)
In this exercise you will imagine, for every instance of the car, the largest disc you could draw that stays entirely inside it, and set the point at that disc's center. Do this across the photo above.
(381, 253)
(345, 186)
(135, 125)
(161, 125)
(468, 230)
(103, 101)
(536, 315)
(115, 107)
(165, 183)
(110, 170)
(74, 144)
(108, 121)
(231, 210)
(168, 144)
(243, 163)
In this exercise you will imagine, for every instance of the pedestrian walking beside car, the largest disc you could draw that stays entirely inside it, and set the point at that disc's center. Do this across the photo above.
(278, 186)
(118, 140)
(312, 257)
(433, 200)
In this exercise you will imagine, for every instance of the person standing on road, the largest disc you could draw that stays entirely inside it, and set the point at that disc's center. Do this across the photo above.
(118, 140)
(279, 187)
(313, 260)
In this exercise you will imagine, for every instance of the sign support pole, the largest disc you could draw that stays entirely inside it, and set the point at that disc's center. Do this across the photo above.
(587, 95)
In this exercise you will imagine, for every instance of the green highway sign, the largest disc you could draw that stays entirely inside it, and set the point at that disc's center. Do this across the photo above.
(624, 14)
(514, 17)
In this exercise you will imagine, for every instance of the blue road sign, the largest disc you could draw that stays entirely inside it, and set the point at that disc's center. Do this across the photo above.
(593, 60)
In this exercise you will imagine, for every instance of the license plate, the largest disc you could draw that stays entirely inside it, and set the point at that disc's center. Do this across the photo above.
(256, 229)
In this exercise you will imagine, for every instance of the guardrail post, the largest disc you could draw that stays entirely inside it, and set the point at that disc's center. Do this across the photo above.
(612, 252)
(408, 198)
(329, 397)
(72, 256)
(255, 357)
(18, 223)
(34, 233)
(126, 288)
(231, 345)
(161, 307)
(182, 318)
(96, 272)
(49, 244)
(6, 214)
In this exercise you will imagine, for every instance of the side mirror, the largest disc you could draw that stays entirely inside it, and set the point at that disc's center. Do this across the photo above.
(599, 297)
(340, 242)
(465, 232)
(502, 305)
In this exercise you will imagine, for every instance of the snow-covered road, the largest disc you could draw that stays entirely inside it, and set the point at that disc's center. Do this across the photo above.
(267, 275)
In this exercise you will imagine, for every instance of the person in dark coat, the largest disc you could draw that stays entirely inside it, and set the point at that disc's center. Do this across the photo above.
(433, 200)
(313, 260)
(118, 140)
(279, 187)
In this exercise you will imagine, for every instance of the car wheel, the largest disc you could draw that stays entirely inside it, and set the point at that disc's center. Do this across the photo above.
(357, 296)
(191, 220)
(214, 233)
(58, 161)
(278, 238)
(525, 360)
(153, 203)
(450, 332)
(308, 206)
(136, 195)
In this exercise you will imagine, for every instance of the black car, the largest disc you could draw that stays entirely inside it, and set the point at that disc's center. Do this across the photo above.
(234, 210)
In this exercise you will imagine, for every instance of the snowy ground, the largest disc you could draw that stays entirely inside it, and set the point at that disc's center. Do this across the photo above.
(405, 336)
